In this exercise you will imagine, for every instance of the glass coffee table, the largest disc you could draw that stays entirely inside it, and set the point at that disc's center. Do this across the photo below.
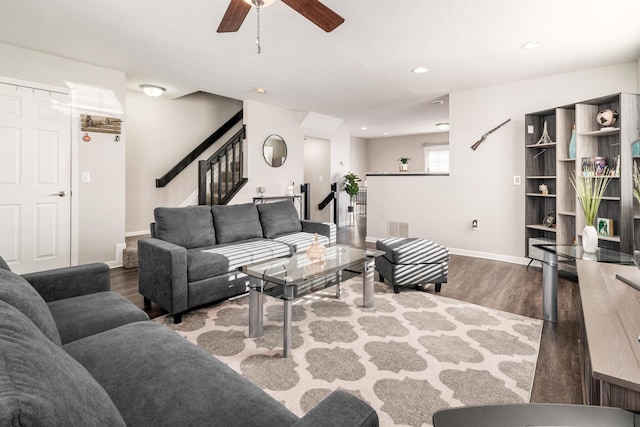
(294, 277)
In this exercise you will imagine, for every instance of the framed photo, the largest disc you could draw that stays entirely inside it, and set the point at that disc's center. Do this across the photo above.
(604, 226)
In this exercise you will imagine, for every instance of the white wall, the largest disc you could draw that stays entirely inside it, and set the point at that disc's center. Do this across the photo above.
(98, 207)
(263, 120)
(317, 173)
(160, 132)
(480, 185)
(383, 153)
(358, 157)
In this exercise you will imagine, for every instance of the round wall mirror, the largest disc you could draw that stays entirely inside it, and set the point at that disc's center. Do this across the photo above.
(274, 151)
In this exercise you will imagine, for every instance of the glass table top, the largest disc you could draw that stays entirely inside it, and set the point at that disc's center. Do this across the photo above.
(574, 252)
(298, 268)
(293, 277)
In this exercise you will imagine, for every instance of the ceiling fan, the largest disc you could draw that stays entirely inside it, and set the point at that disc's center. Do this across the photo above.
(313, 10)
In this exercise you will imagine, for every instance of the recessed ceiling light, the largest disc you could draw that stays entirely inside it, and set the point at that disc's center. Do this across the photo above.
(364, 128)
(438, 102)
(533, 44)
(442, 126)
(420, 70)
(386, 133)
(261, 90)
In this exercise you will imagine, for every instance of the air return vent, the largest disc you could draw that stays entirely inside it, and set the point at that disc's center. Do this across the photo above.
(397, 229)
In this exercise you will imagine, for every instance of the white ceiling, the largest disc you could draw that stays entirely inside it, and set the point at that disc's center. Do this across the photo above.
(360, 72)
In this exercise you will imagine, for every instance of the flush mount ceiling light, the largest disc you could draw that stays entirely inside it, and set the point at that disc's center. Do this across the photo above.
(442, 126)
(420, 70)
(261, 90)
(533, 44)
(364, 128)
(438, 102)
(151, 90)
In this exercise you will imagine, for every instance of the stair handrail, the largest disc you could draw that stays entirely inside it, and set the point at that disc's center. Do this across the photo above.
(208, 165)
(201, 148)
(332, 197)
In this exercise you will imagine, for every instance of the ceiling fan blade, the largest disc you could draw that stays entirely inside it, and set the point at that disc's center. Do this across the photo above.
(317, 13)
(234, 16)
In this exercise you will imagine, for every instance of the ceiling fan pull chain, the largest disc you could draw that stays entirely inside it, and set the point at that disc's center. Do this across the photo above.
(258, 36)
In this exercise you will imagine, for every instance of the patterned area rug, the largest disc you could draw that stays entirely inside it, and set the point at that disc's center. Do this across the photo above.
(411, 355)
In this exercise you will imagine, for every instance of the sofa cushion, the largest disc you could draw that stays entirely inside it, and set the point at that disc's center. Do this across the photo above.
(164, 370)
(202, 264)
(189, 227)
(90, 314)
(16, 291)
(234, 223)
(244, 253)
(41, 385)
(302, 241)
(279, 218)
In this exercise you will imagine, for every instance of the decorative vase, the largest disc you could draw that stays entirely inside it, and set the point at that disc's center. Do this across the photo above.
(589, 239)
(404, 167)
(572, 144)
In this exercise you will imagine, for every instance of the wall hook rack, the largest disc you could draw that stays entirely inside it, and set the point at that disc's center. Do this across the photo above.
(91, 123)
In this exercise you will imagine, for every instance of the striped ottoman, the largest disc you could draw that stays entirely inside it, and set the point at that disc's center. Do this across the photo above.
(411, 262)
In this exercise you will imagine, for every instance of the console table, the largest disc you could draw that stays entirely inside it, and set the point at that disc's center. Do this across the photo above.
(610, 323)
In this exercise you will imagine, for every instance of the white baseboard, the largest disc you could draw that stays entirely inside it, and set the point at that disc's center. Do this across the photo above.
(114, 264)
(136, 233)
(474, 254)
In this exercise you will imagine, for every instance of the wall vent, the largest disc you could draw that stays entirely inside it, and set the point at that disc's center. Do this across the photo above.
(397, 229)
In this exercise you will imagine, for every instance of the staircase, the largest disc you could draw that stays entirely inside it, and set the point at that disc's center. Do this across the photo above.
(130, 253)
(220, 177)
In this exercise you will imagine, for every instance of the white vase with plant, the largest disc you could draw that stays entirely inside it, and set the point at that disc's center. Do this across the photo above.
(590, 190)
(404, 164)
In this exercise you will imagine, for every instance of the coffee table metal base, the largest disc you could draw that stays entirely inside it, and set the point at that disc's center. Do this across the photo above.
(256, 328)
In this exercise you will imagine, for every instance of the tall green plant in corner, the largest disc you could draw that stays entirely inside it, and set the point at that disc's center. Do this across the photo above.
(351, 187)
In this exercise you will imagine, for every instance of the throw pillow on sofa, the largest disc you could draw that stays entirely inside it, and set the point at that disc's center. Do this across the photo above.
(19, 293)
(279, 218)
(40, 384)
(189, 227)
(235, 223)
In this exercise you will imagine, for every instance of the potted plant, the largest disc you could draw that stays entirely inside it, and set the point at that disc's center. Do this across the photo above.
(404, 164)
(590, 190)
(351, 187)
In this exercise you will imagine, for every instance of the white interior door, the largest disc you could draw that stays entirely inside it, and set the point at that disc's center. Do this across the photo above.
(35, 178)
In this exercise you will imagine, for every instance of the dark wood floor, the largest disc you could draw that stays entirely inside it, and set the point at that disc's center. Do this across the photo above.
(494, 284)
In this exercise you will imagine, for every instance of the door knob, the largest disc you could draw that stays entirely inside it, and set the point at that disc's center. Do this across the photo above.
(60, 194)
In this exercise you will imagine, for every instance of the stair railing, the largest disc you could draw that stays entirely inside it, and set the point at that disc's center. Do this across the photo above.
(331, 197)
(223, 172)
(196, 152)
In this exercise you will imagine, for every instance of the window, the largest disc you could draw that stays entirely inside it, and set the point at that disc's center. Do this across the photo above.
(436, 158)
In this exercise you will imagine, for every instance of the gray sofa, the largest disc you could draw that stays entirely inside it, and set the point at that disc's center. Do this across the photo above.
(196, 253)
(72, 353)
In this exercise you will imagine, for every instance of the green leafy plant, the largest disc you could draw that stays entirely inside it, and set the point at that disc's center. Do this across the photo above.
(590, 190)
(404, 160)
(351, 184)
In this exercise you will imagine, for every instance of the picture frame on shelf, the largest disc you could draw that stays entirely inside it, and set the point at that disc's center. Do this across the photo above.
(604, 227)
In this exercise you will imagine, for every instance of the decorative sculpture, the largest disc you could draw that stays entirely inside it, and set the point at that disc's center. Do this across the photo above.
(545, 138)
